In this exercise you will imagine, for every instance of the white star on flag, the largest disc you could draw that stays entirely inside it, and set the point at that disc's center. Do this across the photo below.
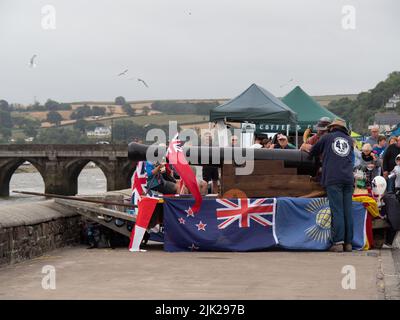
(201, 226)
(193, 247)
(181, 221)
(189, 212)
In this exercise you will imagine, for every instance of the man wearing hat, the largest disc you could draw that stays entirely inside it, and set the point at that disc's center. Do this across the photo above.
(322, 128)
(283, 142)
(337, 178)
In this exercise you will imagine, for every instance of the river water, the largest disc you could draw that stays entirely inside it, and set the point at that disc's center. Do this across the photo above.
(90, 181)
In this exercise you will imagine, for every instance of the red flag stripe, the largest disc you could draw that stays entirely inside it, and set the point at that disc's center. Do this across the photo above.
(177, 158)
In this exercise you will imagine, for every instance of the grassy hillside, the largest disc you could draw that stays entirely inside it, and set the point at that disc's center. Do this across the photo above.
(327, 99)
(154, 117)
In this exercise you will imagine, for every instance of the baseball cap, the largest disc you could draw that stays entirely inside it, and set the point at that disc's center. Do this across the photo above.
(323, 123)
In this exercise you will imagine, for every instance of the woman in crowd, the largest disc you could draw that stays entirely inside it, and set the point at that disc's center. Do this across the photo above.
(392, 140)
(266, 143)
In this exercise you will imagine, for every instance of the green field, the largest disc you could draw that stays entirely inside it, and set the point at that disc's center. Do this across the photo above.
(324, 100)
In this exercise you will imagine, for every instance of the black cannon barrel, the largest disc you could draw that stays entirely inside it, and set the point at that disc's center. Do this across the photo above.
(203, 155)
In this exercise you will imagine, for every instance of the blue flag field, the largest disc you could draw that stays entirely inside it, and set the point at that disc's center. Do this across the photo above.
(253, 224)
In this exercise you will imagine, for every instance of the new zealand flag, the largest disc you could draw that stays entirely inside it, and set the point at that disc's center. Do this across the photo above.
(220, 225)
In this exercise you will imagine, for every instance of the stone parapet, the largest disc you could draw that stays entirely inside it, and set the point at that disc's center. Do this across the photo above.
(31, 229)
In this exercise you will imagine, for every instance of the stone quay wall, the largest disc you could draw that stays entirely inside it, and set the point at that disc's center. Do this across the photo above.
(31, 229)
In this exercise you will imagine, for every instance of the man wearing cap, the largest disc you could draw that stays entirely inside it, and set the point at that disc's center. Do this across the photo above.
(322, 128)
(283, 143)
(337, 178)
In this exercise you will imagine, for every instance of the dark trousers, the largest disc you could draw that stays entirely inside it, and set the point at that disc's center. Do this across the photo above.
(390, 184)
(340, 202)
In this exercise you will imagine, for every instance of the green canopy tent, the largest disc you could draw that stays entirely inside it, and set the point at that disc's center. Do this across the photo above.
(255, 105)
(308, 111)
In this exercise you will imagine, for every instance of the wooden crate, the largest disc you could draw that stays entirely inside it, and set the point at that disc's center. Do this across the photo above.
(269, 178)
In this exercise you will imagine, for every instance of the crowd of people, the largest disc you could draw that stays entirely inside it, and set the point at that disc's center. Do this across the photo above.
(378, 156)
(279, 141)
(345, 166)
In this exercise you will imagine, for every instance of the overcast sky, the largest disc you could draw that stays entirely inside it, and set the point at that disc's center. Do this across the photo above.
(193, 48)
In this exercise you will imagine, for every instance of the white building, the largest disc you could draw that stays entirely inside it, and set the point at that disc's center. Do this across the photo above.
(393, 101)
(100, 132)
(386, 121)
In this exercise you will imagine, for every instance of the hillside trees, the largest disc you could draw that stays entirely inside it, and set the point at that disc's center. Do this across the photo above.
(360, 112)
(172, 107)
(54, 117)
(120, 101)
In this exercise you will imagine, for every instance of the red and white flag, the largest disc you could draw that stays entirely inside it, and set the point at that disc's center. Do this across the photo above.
(139, 182)
(176, 157)
(146, 208)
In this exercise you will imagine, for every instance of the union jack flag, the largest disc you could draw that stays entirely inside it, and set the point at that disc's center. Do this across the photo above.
(139, 181)
(245, 210)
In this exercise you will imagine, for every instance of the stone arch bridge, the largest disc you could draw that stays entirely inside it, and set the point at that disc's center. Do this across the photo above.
(60, 165)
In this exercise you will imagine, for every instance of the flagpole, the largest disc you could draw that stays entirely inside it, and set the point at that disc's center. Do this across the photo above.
(57, 196)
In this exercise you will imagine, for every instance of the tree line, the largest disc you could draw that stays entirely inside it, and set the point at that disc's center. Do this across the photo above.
(50, 105)
(173, 107)
(361, 111)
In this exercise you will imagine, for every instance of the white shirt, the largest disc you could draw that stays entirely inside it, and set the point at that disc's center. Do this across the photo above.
(256, 146)
(396, 173)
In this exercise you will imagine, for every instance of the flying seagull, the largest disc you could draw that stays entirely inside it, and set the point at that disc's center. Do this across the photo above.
(140, 80)
(285, 84)
(123, 72)
(32, 63)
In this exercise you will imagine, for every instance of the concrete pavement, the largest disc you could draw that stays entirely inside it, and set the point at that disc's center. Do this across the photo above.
(120, 274)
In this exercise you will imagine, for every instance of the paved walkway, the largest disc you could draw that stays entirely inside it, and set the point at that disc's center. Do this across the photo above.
(119, 274)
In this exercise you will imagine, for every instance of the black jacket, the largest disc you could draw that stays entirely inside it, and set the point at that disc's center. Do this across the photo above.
(389, 157)
(336, 148)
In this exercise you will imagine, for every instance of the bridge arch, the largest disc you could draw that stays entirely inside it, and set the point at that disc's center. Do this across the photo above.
(74, 169)
(8, 168)
(60, 165)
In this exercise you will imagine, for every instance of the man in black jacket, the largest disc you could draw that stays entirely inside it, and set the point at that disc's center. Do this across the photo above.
(337, 178)
(210, 172)
(389, 162)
